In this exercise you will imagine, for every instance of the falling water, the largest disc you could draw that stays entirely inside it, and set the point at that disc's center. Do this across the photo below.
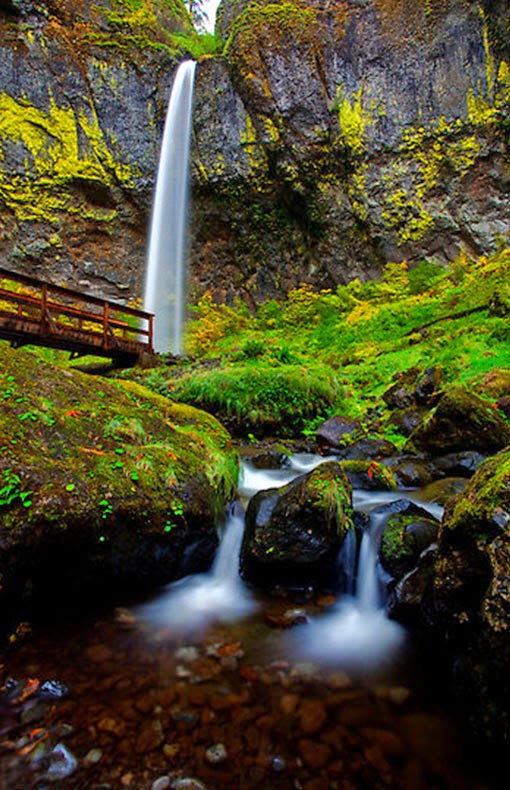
(355, 633)
(219, 595)
(165, 280)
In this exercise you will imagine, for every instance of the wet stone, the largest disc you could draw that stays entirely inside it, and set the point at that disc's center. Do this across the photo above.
(98, 654)
(312, 716)
(289, 703)
(315, 755)
(187, 783)
(111, 726)
(187, 654)
(149, 737)
(62, 764)
(92, 757)
(216, 754)
(163, 783)
(53, 689)
(390, 744)
(278, 765)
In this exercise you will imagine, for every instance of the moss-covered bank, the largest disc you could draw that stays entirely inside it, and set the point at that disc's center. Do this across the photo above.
(102, 484)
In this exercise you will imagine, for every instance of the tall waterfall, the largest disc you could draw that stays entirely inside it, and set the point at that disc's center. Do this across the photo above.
(166, 275)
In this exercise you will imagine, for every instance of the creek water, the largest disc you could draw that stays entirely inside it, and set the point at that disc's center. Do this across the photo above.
(166, 275)
(198, 688)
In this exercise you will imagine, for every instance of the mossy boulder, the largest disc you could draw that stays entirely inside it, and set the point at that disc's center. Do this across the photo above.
(408, 531)
(336, 433)
(471, 595)
(103, 484)
(460, 421)
(293, 534)
(369, 475)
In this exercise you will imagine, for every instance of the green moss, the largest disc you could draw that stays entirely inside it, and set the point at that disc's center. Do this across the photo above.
(352, 119)
(78, 443)
(481, 512)
(376, 475)
(54, 159)
(331, 492)
(270, 23)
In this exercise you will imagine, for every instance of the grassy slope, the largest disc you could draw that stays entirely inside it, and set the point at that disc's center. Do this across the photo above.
(338, 351)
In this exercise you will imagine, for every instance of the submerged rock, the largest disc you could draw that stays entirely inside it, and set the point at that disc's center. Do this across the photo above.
(293, 534)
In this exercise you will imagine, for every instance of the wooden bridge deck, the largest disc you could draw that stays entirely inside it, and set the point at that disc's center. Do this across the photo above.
(34, 312)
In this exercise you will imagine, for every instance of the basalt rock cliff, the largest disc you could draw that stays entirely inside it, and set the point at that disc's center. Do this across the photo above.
(329, 138)
(337, 136)
(83, 92)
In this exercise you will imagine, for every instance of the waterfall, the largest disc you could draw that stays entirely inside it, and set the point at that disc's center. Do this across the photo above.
(194, 602)
(166, 276)
(355, 633)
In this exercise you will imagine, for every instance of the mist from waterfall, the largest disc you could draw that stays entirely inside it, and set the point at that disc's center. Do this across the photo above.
(165, 283)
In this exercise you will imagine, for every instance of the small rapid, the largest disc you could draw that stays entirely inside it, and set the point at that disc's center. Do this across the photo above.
(355, 633)
(192, 603)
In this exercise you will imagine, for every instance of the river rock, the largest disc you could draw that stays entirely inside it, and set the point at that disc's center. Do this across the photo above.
(461, 421)
(461, 464)
(293, 534)
(471, 596)
(405, 421)
(409, 530)
(336, 433)
(369, 475)
(367, 449)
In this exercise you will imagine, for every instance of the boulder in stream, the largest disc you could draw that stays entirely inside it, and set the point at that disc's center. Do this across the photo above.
(293, 534)
(408, 531)
(469, 598)
(461, 421)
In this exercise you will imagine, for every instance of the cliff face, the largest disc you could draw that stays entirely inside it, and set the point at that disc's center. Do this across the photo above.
(83, 92)
(336, 136)
(329, 138)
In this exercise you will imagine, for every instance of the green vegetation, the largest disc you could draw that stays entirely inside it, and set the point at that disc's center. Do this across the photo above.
(295, 362)
(73, 448)
(481, 512)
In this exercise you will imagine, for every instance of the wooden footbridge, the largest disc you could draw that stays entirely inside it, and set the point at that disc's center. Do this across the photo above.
(34, 312)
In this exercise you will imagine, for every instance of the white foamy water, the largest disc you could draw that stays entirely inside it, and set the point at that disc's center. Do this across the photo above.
(217, 596)
(355, 633)
(252, 480)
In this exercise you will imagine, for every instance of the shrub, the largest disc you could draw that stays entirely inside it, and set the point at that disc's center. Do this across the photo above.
(251, 397)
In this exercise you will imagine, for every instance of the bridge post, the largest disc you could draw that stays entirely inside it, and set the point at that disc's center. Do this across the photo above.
(151, 334)
(44, 310)
(105, 325)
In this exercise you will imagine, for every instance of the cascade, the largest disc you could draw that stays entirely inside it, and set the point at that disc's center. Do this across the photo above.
(219, 595)
(354, 633)
(166, 275)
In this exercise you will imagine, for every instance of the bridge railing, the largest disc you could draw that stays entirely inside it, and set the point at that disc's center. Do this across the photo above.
(34, 311)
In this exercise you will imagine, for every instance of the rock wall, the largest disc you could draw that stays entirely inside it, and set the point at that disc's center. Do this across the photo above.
(83, 96)
(336, 136)
(329, 138)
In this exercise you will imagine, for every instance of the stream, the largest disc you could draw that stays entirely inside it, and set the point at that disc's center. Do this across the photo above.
(209, 684)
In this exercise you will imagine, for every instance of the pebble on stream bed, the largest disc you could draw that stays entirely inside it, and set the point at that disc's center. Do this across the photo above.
(261, 720)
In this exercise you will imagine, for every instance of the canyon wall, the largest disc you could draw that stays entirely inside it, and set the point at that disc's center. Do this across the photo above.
(328, 138)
